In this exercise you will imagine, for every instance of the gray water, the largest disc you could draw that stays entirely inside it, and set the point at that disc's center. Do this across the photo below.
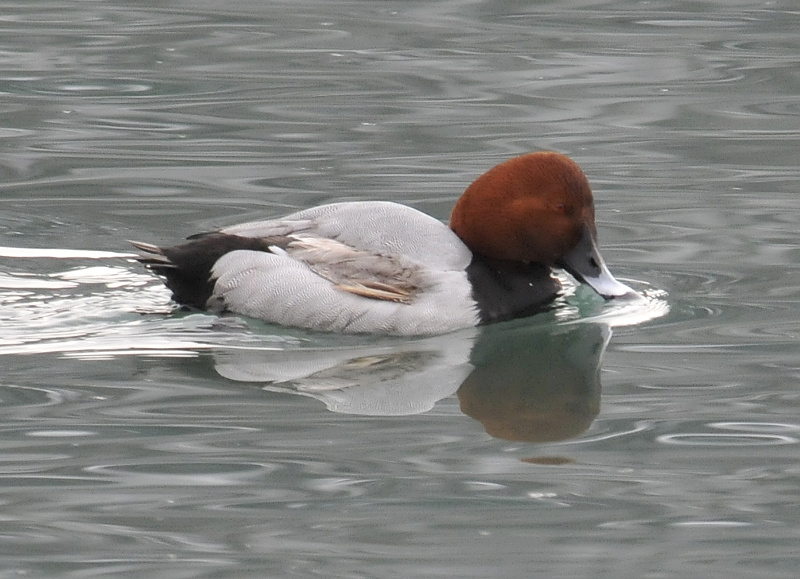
(138, 440)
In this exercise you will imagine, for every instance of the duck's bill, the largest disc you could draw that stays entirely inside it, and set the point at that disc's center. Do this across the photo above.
(585, 264)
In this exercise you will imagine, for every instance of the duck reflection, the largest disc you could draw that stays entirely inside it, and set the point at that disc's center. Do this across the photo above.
(540, 385)
(537, 383)
(388, 377)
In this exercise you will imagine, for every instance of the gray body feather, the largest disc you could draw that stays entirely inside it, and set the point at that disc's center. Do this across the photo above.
(374, 267)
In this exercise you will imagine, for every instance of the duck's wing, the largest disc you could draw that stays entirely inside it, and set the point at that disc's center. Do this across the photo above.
(372, 249)
(363, 273)
(378, 227)
(281, 289)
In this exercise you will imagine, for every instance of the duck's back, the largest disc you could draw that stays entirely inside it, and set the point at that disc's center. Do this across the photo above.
(378, 226)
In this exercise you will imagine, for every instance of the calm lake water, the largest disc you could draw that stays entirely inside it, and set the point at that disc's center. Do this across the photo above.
(138, 440)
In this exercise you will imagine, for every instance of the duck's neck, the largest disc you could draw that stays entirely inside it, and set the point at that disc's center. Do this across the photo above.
(505, 290)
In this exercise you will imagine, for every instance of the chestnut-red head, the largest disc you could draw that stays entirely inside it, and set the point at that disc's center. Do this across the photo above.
(537, 208)
(531, 208)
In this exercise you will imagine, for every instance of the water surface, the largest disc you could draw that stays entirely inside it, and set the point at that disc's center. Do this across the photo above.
(587, 442)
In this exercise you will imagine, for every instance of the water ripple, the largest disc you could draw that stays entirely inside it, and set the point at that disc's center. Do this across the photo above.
(124, 121)
(707, 439)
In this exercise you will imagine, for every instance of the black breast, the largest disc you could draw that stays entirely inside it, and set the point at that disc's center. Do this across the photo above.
(506, 290)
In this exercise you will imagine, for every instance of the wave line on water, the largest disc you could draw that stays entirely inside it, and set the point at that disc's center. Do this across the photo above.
(27, 252)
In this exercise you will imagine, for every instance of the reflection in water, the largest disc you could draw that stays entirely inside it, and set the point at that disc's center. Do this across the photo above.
(541, 386)
(524, 381)
(396, 377)
(533, 383)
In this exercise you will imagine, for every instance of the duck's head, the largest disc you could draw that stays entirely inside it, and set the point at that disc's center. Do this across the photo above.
(536, 208)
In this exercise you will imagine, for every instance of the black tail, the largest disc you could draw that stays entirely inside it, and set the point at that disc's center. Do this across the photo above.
(187, 268)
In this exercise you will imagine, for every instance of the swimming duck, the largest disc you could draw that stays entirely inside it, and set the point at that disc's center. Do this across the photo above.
(386, 268)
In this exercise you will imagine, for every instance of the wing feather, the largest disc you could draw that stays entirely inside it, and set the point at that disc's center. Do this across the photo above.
(370, 275)
(380, 227)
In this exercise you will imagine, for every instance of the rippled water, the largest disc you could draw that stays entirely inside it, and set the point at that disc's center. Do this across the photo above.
(139, 440)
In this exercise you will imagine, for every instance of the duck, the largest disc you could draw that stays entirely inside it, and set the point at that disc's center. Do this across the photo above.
(380, 267)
